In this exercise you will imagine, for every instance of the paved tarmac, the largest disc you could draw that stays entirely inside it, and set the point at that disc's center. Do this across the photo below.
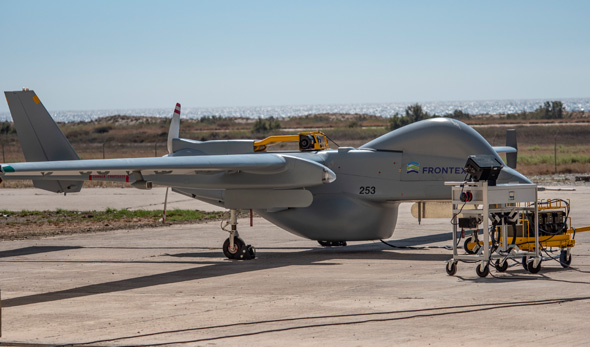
(172, 285)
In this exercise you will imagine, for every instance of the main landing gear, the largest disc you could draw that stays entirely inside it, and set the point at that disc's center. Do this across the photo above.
(332, 243)
(234, 247)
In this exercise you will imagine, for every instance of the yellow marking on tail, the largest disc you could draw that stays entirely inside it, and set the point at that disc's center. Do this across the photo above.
(36, 99)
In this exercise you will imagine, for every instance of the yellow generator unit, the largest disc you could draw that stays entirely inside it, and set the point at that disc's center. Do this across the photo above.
(554, 225)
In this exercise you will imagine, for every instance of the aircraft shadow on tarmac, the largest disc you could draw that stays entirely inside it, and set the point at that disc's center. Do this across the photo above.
(35, 250)
(267, 260)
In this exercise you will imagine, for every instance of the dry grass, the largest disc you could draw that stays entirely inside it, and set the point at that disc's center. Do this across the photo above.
(32, 224)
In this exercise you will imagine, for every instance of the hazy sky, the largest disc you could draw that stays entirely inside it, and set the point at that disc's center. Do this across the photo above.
(81, 55)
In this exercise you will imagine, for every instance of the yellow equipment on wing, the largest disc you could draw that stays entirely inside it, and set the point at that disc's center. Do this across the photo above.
(308, 141)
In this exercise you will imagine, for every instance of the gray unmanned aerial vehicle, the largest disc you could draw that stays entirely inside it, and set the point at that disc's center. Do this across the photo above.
(329, 195)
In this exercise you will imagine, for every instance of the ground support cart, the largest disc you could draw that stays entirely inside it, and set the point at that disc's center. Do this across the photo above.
(477, 204)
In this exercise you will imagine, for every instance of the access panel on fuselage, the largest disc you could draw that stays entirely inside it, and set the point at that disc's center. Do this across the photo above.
(369, 175)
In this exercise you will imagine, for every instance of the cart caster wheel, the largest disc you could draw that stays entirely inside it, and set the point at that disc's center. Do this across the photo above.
(484, 273)
(524, 261)
(451, 268)
(531, 268)
(501, 266)
(564, 260)
(466, 245)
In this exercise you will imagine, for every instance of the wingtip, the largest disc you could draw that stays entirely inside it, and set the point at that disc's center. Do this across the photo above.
(329, 176)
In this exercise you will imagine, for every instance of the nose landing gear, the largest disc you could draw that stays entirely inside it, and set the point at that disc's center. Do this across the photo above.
(234, 247)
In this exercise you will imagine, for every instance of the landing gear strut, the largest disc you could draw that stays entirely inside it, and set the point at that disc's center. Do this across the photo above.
(234, 247)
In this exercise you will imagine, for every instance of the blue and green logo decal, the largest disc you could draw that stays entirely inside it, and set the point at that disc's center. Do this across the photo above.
(413, 167)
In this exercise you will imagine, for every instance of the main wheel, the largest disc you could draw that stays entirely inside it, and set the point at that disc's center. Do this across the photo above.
(564, 259)
(531, 267)
(501, 266)
(484, 273)
(332, 243)
(237, 251)
(451, 267)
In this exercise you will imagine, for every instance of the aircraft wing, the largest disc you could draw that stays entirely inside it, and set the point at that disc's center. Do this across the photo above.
(244, 171)
(257, 180)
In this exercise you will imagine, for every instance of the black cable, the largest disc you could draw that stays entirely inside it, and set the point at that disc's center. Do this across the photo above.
(454, 218)
(328, 137)
(574, 233)
(519, 278)
(464, 309)
(344, 324)
(402, 247)
(414, 247)
(562, 264)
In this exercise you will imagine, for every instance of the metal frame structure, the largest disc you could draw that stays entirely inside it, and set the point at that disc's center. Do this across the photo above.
(488, 200)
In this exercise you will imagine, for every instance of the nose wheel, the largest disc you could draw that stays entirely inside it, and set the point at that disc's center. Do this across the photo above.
(239, 251)
(234, 247)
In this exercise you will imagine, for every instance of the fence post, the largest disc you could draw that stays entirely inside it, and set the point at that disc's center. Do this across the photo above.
(4, 140)
(555, 154)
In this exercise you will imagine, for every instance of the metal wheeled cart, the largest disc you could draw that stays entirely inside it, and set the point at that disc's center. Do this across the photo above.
(478, 206)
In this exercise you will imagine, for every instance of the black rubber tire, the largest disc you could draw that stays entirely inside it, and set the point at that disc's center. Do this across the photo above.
(332, 243)
(531, 268)
(451, 268)
(564, 260)
(466, 246)
(503, 267)
(240, 246)
(250, 252)
(484, 273)
(305, 143)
